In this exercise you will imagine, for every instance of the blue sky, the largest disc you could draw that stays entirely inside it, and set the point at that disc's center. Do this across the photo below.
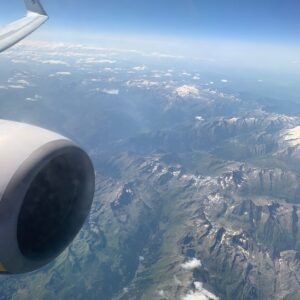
(252, 33)
(248, 20)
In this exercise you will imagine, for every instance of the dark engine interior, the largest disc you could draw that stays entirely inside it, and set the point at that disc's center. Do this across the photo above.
(53, 211)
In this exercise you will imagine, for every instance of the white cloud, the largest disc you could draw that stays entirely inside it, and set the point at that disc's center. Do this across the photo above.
(200, 293)
(111, 92)
(63, 73)
(187, 90)
(18, 61)
(139, 68)
(23, 82)
(54, 62)
(35, 98)
(15, 83)
(89, 54)
(105, 61)
(92, 60)
(16, 86)
(192, 264)
(141, 83)
(156, 76)
(162, 55)
(60, 74)
(224, 80)
(199, 118)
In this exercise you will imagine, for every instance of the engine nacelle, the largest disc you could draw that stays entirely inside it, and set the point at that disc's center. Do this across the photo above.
(46, 191)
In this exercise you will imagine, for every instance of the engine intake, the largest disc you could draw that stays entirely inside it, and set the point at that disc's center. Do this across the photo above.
(46, 191)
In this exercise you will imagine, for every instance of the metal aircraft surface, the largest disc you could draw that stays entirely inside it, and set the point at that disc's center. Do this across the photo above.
(18, 30)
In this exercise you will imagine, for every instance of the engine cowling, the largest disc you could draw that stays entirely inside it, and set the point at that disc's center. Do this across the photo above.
(46, 190)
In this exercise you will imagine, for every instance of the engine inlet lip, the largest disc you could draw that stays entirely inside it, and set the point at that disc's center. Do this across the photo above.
(13, 197)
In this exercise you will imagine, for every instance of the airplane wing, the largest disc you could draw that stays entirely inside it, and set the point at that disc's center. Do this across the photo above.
(18, 30)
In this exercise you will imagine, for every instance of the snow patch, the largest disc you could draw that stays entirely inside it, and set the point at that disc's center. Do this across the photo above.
(292, 136)
(199, 118)
(187, 90)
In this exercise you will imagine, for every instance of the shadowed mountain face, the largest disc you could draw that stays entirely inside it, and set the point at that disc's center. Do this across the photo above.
(198, 187)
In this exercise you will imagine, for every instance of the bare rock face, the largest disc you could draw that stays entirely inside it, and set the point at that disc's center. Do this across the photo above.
(208, 208)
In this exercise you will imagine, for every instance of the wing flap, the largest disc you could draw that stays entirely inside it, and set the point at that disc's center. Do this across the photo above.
(18, 30)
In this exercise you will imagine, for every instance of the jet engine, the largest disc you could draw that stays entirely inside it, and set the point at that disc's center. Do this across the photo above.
(46, 190)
